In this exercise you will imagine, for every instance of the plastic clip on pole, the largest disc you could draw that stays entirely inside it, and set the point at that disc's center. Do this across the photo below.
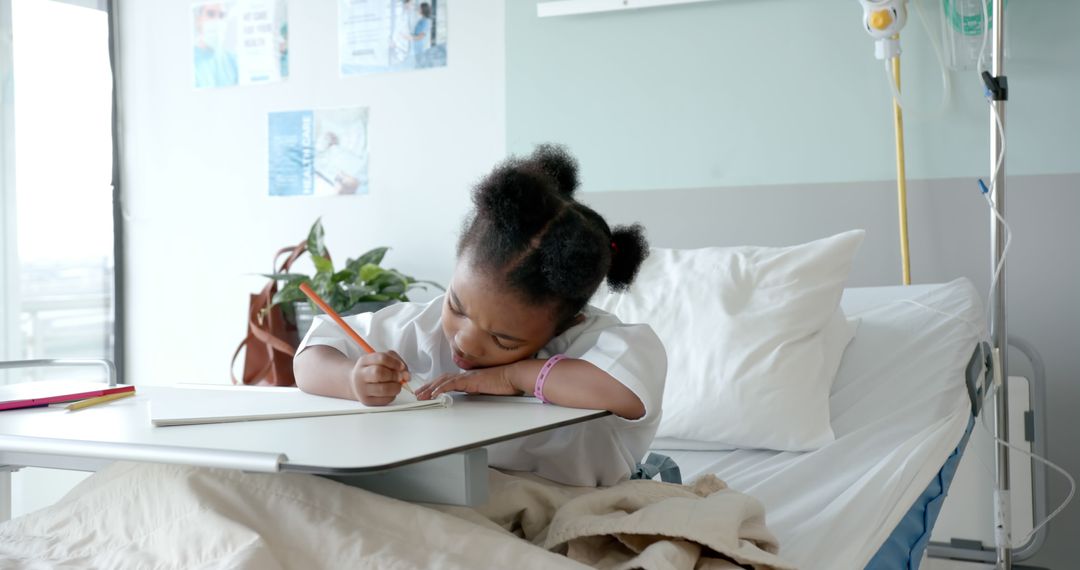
(997, 88)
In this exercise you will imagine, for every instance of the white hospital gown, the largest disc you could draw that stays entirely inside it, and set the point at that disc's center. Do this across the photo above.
(596, 453)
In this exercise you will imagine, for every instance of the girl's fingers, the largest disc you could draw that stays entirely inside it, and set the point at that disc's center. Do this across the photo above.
(382, 374)
(400, 360)
(381, 390)
(390, 360)
(426, 392)
(428, 386)
(445, 384)
(402, 366)
(376, 401)
(371, 392)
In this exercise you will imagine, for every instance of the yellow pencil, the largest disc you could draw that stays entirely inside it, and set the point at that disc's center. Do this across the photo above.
(99, 400)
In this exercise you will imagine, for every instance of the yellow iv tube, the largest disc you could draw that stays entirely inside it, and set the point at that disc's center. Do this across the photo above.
(901, 179)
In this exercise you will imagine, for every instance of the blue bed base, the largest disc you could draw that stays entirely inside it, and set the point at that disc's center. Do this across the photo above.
(904, 548)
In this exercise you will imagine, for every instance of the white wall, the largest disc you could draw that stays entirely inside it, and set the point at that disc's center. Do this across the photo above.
(200, 223)
(778, 92)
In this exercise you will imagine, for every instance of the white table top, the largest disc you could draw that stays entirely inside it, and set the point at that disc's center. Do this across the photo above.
(357, 443)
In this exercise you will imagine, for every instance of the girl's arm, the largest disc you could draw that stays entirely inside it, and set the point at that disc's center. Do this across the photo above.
(324, 371)
(374, 379)
(573, 383)
(577, 383)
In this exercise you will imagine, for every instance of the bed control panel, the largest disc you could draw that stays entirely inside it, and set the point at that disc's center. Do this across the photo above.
(979, 376)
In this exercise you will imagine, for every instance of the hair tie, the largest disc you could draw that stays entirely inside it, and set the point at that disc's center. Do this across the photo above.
(614, 248)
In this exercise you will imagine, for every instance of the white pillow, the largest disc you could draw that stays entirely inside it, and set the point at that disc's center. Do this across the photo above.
(836, 336)
(754, 336)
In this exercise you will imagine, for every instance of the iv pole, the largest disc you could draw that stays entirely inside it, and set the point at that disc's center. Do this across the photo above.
(883, 19)
(997, 85)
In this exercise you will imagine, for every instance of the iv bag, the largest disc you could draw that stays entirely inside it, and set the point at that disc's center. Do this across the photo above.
(962, 33)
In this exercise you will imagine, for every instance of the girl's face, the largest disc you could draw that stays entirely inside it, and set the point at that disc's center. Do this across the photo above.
(489, 325)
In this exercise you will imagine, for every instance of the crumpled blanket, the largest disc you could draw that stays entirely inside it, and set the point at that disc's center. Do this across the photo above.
(170, 516)
(635, 524)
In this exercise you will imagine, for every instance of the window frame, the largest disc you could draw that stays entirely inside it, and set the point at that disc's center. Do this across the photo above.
(9, 284)
(119, 264)
(9, 267)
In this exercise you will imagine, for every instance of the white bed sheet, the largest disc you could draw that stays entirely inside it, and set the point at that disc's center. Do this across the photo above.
(899, 407)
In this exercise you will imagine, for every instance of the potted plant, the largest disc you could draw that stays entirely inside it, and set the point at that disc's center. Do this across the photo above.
(362, 286)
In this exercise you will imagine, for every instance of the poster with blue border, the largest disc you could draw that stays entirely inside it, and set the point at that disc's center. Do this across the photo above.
(320, 152)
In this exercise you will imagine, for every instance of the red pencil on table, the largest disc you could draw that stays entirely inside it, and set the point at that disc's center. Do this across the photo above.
(307, 290)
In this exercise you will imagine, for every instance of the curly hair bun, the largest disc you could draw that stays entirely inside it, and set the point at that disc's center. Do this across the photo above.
(517, 200)
(528, 227)
(555, 161)
(629, 249)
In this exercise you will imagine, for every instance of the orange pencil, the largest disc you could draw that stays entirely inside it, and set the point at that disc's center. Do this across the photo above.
(344, 326)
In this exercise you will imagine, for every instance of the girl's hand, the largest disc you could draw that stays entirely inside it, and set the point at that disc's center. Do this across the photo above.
(376, 378)
(494, 380)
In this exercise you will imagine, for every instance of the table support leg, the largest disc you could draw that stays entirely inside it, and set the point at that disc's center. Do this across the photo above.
(5, 491)
(456, 479)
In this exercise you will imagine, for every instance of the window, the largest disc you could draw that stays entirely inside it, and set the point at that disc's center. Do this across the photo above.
(56, 224)
(58, 267)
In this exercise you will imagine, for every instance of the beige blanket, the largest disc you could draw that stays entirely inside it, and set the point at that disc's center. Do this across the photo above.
(168, 516)
(636, 524)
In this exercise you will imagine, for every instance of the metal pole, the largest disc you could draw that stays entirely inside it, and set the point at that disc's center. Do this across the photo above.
(1002, 520)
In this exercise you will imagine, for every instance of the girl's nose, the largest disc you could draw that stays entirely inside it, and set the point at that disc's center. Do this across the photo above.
(468, 341)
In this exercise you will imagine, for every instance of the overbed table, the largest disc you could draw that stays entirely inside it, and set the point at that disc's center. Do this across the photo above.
(428, 455)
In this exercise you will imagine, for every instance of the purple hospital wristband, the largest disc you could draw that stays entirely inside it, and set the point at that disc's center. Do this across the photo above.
(538, 391)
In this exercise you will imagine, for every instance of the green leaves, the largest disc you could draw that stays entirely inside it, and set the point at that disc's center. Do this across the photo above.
(374, 257)
(322, 263)
(363, 279)
(290, 291)
(315, 245)
(368, 272)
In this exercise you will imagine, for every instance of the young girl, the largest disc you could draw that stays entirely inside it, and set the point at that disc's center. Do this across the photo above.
(515, 320)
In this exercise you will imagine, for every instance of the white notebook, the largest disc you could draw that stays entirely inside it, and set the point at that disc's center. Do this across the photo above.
(188, 405)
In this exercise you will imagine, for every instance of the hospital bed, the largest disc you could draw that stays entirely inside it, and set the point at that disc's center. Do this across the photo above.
(902, 409)
(902, 406)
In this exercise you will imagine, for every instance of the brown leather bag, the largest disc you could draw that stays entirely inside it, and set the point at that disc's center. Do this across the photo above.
(271, 340)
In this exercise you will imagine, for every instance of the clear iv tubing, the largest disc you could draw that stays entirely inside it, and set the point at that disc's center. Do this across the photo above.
(1036, 457)
(945, 83)
(1000, 264)
(1004, 251)
(993, 286)
(983, 333)
(892, 82)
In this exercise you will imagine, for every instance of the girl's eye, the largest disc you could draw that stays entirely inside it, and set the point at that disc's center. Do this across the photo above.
(454, 309)
(499, 344)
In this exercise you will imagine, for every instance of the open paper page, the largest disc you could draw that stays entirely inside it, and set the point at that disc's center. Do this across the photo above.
(188, 405)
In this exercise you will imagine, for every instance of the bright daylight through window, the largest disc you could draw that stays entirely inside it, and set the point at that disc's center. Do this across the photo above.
(58, 235)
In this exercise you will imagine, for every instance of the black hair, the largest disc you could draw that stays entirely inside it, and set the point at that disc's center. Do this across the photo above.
(527, 226)
(425, 9)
